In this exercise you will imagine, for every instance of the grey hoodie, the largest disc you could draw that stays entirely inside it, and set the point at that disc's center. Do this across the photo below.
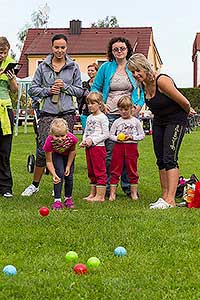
(44, 78)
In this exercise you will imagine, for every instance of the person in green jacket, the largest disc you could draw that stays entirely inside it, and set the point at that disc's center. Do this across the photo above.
(7, 83)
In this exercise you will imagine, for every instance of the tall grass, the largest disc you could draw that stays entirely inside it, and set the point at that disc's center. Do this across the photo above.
(163, 247)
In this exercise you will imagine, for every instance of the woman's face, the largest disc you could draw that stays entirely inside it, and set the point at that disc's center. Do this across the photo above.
(139, 75)
(3, 54)
(91, 72)
(119, 50)
(59, 48)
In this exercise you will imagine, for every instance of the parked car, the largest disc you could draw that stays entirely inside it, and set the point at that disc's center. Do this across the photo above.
(22, 115)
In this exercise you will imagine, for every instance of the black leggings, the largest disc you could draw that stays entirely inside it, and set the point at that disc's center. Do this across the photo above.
(167, 141)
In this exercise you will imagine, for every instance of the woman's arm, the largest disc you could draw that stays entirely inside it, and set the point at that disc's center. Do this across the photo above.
(167, 87)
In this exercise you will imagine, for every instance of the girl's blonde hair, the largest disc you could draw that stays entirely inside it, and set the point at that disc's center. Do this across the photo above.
(138, 62)
(97, 97)
(125, 102)
(58, 126)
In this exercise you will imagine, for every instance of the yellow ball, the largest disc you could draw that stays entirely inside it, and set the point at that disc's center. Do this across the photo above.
(121, 136)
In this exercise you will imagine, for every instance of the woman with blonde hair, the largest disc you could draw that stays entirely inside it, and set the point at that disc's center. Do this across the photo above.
(170, 109)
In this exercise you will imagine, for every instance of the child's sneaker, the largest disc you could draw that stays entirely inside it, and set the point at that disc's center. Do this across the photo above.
(68, 202)
(57, 205)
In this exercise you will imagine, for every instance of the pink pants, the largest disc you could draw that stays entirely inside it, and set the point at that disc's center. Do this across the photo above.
(96, 164)
(128, 154)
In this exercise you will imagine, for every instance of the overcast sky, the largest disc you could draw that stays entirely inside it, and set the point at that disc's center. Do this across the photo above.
(174, 22)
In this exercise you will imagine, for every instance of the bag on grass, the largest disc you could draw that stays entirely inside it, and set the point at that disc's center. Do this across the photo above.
(195, 202)
(184, 184)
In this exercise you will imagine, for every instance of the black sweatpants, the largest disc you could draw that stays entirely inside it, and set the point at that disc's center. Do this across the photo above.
(6, 181)
(167, 141)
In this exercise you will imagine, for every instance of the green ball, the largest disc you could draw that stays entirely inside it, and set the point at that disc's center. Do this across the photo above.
(93, 262)
(71, 256)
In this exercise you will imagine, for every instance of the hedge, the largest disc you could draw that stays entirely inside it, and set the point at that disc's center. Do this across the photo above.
(193, 95)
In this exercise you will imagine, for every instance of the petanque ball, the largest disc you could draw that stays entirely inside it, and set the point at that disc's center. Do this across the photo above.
(9, 270)
(71, 256)
(120, 251)
(80, 269)
(93, 262)
(44, 211)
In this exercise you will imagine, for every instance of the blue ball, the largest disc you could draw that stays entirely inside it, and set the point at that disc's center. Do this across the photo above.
(120, 251)
(9, 270)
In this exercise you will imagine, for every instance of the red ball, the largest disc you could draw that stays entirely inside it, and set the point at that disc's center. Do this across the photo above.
(80, 269)
(44, 211)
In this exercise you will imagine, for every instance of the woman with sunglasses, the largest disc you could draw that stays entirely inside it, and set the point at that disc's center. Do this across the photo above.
(115, 80)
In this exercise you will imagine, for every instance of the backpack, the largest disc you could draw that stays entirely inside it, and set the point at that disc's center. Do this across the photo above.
(185, 184)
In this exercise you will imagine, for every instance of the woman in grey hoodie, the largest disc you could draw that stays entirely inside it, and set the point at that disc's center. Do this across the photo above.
(56, 81)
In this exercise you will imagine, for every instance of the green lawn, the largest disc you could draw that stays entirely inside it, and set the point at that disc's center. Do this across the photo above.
(163, 247)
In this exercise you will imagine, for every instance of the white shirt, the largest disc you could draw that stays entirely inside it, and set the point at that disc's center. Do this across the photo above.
(97, 129)
(131, 126)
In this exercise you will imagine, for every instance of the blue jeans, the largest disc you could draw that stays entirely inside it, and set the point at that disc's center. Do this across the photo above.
(109, 146)
(60, 162)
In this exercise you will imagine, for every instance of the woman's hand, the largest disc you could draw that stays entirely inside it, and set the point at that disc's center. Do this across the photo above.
(59, 83)
(192, 112)
(11, 75)
(55, 89)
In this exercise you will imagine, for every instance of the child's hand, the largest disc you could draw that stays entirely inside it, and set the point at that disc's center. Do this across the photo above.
(82, 144)
(128, 137)
(56, 179)
(88, 143)
(67, 171)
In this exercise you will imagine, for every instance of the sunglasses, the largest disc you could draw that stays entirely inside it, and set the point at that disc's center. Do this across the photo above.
(120, 49)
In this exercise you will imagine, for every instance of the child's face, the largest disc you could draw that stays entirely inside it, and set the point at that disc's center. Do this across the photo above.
(3, 53)
(94, 107)
(125, 112)
(59, 136)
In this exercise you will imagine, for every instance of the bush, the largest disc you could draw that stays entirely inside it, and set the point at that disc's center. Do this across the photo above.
(193, 95)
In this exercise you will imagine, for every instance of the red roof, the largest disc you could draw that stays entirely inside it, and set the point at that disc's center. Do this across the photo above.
(196, 45)
(89, 41)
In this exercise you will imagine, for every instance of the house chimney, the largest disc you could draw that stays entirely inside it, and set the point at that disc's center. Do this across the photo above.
(75, 27)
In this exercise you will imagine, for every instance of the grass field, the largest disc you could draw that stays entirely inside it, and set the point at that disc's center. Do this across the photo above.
(163, 247)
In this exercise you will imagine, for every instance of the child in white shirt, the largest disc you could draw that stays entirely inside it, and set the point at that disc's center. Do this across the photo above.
(126, 131)
(95, 134)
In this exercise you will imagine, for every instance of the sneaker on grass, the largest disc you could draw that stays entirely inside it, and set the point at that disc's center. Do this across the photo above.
(162, 204)
(8, 195)
(57, 205)
(30, 190)
(154, 203)
(68, 202)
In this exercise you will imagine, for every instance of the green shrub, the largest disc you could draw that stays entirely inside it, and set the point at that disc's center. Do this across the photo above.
(193, 95)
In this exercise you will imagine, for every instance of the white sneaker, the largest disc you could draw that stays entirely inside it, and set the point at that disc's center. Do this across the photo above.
(30, 190)
(154, 203)
(162, 204)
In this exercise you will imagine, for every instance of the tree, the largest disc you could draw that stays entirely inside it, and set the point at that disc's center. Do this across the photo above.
(39, 19)
(108, 22)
